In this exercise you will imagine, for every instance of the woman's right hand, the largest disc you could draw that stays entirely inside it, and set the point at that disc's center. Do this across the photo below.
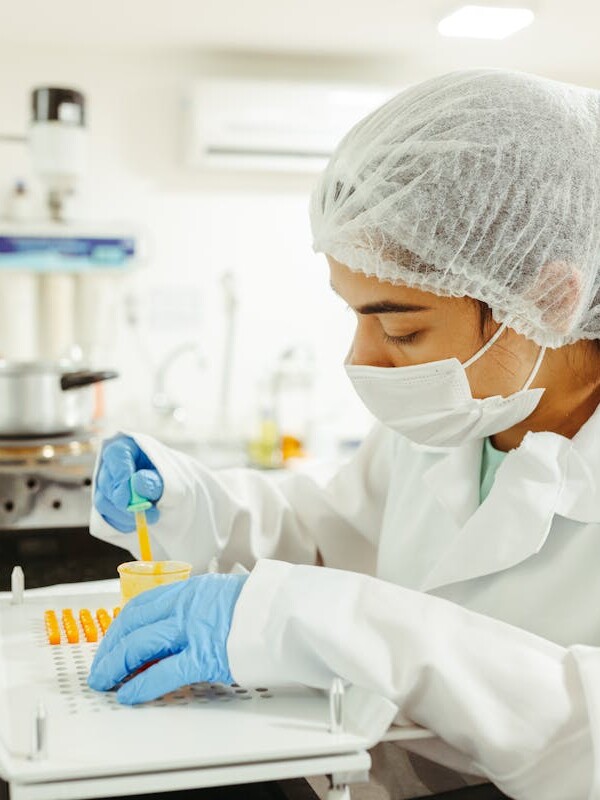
(120, 461)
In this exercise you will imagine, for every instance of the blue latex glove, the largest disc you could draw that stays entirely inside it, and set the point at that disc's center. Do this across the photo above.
(184, 624)
(122, 459)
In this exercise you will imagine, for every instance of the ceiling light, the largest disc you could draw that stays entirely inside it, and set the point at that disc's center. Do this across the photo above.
(485, 22)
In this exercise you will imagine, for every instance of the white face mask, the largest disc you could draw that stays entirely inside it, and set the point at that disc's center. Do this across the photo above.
(432, 403)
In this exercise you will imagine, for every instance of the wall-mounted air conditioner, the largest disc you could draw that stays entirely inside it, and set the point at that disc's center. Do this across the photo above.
(272, 125)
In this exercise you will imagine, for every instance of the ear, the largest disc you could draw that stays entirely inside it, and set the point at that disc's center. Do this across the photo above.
(557, 294)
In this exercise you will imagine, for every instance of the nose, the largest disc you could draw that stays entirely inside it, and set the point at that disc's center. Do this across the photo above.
(367, 347)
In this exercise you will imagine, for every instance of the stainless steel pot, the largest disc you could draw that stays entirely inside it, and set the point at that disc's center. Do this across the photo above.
(46, 399)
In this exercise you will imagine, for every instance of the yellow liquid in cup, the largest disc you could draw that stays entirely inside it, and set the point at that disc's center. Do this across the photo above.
(139, 576)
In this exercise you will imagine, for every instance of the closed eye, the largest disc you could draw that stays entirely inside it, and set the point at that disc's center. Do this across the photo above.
(400, 340)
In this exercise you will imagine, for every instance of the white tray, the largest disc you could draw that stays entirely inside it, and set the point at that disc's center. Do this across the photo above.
(203, 735)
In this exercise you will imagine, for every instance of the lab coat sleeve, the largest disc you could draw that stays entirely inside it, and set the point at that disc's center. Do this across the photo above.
(504, 703)
(241, 515)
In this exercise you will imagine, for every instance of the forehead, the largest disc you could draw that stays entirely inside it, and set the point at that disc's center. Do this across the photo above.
(358, 289)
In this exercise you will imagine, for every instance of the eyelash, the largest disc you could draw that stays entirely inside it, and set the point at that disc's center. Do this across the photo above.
(400, 340)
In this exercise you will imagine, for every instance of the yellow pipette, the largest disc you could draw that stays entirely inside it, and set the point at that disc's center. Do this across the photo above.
(139, 506)
(141, 524)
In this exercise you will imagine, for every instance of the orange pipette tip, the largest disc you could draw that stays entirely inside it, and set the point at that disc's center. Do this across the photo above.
(90, 631)
(52, 627)
(70, 626)
(104, 619)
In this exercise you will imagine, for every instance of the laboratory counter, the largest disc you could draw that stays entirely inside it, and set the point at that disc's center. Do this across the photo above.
(294, 789)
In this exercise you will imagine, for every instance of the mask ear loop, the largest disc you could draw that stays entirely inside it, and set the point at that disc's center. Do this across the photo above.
(536, 369)
(487, 345)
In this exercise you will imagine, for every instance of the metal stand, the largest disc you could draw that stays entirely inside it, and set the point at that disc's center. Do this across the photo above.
(339, 793)
(38, 739)
(338, 781)
(17, 586)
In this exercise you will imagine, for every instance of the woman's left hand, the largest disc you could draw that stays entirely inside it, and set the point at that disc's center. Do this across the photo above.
(184, 626)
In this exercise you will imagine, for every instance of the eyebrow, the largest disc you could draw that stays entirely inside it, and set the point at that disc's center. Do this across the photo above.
(386, 307)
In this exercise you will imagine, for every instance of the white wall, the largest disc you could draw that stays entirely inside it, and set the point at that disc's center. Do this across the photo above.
(198, 226)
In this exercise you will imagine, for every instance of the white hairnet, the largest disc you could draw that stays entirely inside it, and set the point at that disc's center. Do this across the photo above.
(483, 183)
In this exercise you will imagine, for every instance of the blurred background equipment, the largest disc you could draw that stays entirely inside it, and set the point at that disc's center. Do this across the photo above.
(58, 280)
(58, 142)
(45, 399)
(279, 126)
(50, 261)
(286, 413)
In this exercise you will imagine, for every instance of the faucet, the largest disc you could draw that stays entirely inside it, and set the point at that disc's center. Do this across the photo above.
(161, 401)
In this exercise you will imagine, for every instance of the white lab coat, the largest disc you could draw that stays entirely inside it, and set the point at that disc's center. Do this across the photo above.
(410, 516)
(505, 703)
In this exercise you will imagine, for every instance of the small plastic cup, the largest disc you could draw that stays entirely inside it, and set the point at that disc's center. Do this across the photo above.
(139, 576)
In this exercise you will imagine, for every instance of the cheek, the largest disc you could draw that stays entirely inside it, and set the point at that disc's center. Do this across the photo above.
(421, 351)
(457, 338)
(504, 369)
(490, 378)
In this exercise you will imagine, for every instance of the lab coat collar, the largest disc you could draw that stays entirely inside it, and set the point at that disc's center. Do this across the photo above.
(454, 479)
(546, 475)
(580, 497)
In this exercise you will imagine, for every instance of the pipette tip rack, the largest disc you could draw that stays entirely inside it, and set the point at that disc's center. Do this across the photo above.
(51, 722)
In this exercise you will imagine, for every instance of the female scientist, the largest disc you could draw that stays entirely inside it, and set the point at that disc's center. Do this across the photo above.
(461, 223)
